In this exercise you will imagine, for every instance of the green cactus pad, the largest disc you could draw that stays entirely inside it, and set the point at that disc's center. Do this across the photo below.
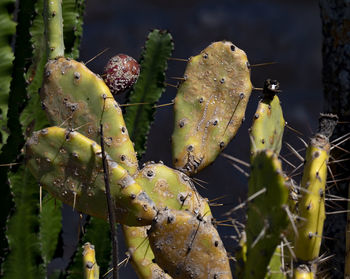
(167, 188)
(274, 268)
(311, 207)
(69, 167)
(187, 246)
(268, 124)
(75, 97)
(210, 105)
(266, 215)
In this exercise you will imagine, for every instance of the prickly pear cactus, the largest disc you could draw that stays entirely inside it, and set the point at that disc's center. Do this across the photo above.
(74, 97)
(69, 166)
(268, 124)
(210, 105)
(303, 272)
(267, 217)
(188, 246)
(167, 188)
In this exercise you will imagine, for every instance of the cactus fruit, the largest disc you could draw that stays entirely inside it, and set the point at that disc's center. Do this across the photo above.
(188, 246)
(210, 105)
(268, 124)
(74, 97)
(69, 166)
(91, 269)
(121, 73)
(311, 206)
(167, 188)
(267, 217)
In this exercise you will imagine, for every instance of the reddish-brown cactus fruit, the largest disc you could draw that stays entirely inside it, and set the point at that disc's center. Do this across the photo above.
(121, 73)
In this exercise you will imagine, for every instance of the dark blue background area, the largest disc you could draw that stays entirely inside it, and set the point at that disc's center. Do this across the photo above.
(287, 32)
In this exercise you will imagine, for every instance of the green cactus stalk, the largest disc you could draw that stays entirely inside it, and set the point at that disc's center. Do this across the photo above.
(8, 27)
(148, 88)
(267, 217)
(54, 28)
(210, 105)
(69, 166)
(311, 206)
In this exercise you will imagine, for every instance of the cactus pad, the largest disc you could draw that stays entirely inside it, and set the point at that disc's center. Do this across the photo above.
(74, 97)
(266, 215)
(311, 207)
(268, 124)
(167, 188)
(187, 246)
(210, 105)
(69, 166)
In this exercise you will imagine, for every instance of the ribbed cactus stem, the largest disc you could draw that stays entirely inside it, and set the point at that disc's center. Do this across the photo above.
(54, 28)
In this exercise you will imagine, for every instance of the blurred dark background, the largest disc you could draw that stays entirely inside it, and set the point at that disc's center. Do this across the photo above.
(287, 32)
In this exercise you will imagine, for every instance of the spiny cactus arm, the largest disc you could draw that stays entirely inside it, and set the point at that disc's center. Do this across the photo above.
(8, 28)
(149, 87)
(24, 242)
(75, 97)
(311, 206)
(97, 232)
(91, 269)
(54, 28)
(69, 166)
(210, 105)
(188, 246)
(73, 15)
(268, 124)
(267, 217)
(167, 188)
(50, 224)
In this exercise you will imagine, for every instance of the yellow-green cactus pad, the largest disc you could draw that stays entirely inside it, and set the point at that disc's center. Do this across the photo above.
(167, 188)
(210, 105)
(268, 124)
(76, 98)
(187, 246)
(69, 166)
(311, 207)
